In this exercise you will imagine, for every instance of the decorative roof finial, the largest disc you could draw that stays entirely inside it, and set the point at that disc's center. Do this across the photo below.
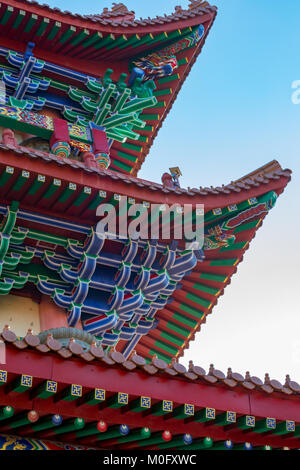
(247, 376)
(267, 378)
(287, 380)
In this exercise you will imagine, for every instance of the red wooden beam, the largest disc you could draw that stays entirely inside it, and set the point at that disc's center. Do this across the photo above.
(98, 182)
(159, 387)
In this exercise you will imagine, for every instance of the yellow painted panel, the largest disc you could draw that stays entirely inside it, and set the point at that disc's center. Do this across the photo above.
(20, 313)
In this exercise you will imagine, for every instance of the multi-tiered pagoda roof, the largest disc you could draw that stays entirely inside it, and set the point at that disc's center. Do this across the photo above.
(82, 99)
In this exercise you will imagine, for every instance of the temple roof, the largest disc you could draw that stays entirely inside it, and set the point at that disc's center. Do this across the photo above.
(114, 40)
(235, 210)
(58, 195)
(256, 180)
(189, 404)
(118, 15)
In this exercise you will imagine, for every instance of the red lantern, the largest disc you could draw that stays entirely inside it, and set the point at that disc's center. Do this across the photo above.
(167, 436)
(101, 426)
(32, 416)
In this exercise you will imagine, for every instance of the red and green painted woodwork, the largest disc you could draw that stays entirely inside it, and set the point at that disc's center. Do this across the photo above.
(22, 264)
(199, 444)
(98, 100)
(136, 435)
(20, 384)
(113, 432)
(47, 422)
(101, 148)
(222, 445)
(60, 139)
(162, 407)
(221, 224)
(121, 435)
(31, 421)
(3, 377)
(297, 431)
(6, 228)
(286, 427)
(205, 415)
(155, 439)
(265, 425)
(25, 443)
(94, 397)
(162, 63)
(22, 419)
(87, 257)
(117, 400)
(6, 412)
(114, 107)
(178, 441)
(92, 429)
(182, 412)
(85, 43)
(42, 126)
(44, 390)
(70, 393)
(243, 446)
(226, 418)
(70, 425)
(245, 422)
(140, 404)
(238, 222)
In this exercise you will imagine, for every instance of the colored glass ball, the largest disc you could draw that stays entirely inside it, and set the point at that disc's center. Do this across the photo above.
(124, 429)
(167, 436)
(228, 444)
(56, 419)
(102, 426)
(145, 432)
(187, 439)
(208, 442)
(32, 416)
(8, 411)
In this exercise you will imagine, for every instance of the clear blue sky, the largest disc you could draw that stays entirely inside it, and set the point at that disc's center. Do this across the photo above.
(234, 114)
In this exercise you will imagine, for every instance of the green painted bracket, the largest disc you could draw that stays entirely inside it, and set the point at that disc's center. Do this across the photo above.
(73, 425)
(136, 435)
(45, 390)
(21, 384)
(6, 412)
(94, 397)
(70, 393)
(205, 415)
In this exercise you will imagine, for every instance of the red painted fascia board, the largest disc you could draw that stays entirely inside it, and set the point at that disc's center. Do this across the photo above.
(139, 383)
(95, 26)
(81, 177)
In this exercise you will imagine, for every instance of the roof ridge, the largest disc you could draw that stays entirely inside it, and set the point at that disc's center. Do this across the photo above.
(119, 11)
(270, 167)
(115, 358)
(260, 176)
